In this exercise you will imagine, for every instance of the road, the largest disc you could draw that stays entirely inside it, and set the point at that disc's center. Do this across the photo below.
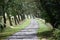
(29, 33)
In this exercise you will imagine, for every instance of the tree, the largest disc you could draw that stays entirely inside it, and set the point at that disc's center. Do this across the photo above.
(51, 8)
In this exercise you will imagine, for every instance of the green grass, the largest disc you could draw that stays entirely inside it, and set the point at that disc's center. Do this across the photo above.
(9, 31)
(44, 30)
(43, 27)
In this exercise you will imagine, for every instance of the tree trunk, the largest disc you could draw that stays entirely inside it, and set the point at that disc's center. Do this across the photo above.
(28, 16)
(4, 19)
(3, 7)
(9, 19)
(23, 16)
(15, 20)
(19, 18)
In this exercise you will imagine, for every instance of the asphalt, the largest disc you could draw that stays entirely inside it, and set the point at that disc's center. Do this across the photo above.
(29, 33)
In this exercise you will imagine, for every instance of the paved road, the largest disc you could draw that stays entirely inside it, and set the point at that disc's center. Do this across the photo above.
(29, 33)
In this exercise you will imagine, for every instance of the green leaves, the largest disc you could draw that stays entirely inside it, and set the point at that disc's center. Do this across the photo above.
(50, 11)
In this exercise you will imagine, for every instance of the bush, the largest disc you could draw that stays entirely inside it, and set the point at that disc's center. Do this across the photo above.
(57, 34)
(1, 28)
(45, 34)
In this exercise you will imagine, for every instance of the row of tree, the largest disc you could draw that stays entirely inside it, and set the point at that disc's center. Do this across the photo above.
(16, 10)
(13, 9)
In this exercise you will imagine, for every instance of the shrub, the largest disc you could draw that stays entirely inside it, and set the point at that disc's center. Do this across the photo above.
(45, 34)
(1, 28)
(57, 34)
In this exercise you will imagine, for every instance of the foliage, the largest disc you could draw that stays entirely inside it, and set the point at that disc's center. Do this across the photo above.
(44, 31)
(51, 11)
(9, 31)
(56, 34)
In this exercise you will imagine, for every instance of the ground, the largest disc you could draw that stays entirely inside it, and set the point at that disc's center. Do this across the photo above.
(29, 33)
(8, 31)
(45, 30)
(36, 26)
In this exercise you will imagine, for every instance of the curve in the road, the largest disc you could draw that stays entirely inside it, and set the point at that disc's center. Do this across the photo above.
(29, 33)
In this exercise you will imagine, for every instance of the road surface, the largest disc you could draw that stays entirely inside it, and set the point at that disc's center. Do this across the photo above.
(29, 33)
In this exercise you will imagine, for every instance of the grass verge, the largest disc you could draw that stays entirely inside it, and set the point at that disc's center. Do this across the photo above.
(44, 30)
(10, 31)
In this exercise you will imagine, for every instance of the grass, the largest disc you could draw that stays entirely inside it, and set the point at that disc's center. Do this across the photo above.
(44, 30)
(10, 31)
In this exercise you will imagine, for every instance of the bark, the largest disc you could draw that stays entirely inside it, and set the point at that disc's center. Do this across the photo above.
(15, 20)
(9, 19)
(19, 18)
(3, 7)
(4, 19)
(23, 16)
